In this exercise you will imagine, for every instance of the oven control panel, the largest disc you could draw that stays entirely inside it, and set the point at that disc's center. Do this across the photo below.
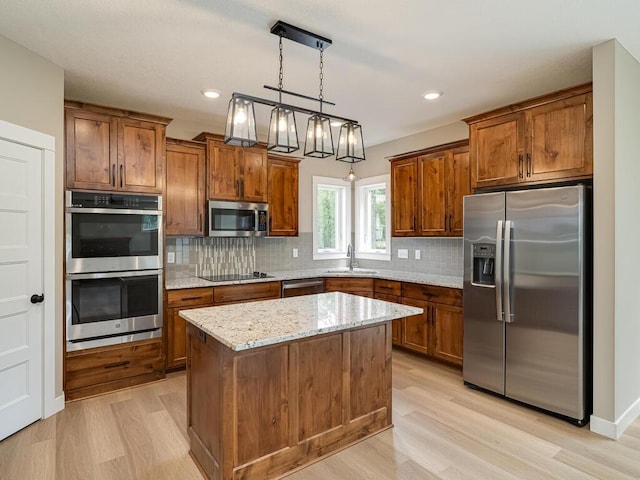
(112, 201)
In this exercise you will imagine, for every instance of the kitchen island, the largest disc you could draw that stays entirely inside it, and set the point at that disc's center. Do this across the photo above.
(277, 384)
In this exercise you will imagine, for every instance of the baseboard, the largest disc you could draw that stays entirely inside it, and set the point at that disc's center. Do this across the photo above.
(54, 406)
(615, 429)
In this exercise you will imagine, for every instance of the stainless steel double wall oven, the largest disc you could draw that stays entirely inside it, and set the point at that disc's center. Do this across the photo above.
(113, 268)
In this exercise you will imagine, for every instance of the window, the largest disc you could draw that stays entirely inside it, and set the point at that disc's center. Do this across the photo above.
(332, 217)
(373, 216)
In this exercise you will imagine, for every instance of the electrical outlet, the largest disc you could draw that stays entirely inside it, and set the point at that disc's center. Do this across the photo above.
(403, 253)
(418, 254)
(295, 253)
(171, 257)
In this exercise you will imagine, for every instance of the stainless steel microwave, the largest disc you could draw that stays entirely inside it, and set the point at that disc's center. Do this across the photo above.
(238, 219)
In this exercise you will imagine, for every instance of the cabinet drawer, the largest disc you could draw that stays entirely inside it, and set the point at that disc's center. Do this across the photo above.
(448, 296)
(388, 287)
(190, 296)
(106, 364)
(349, 285)
(242, 293)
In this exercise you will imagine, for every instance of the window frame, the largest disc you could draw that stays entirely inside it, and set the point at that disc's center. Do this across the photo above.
(345, 188)
(361, 188)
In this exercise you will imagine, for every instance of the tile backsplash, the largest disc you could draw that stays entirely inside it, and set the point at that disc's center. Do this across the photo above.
(223, 256)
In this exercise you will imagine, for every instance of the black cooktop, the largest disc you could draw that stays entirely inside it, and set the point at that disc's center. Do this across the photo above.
(235, 277)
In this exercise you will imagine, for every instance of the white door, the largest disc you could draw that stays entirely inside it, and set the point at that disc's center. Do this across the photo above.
(21, 276)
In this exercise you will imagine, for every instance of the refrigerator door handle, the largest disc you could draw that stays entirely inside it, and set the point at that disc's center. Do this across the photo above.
(498, 271)
(506, 275)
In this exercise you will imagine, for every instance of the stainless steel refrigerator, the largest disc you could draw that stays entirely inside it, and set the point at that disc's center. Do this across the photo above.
(526, 279)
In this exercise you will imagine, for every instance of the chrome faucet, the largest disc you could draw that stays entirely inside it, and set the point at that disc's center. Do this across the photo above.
(350, 255)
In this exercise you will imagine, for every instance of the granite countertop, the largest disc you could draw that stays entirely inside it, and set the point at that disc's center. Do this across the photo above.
(400, 276)
(267, 322)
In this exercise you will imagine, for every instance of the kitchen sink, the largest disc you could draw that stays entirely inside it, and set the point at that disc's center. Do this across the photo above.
(355, 271)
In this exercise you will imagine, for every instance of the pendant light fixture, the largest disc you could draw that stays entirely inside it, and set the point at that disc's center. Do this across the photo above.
(351, 176)
(283, 133)
(350, 145)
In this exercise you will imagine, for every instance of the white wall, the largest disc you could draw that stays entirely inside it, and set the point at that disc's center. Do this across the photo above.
(616, 77)
(32, 96)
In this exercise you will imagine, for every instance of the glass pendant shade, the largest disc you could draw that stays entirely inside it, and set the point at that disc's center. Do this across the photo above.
(319, 142)
(283, 133)
(351, 176)
(241, 123)
(350, 144)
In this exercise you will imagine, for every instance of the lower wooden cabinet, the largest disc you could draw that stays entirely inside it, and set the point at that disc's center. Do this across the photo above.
(103, 369)
(415, 329)
(355, 286)
(446, 327)
(249, 292)
(176, 326)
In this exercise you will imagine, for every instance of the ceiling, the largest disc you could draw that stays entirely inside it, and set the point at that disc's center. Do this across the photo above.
(156, 56)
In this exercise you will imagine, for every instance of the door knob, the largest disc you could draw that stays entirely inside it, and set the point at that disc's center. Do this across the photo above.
(35, 298)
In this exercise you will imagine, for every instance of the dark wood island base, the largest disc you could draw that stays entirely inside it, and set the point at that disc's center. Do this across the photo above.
(262, 412)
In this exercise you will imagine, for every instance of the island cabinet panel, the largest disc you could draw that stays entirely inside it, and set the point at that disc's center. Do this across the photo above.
(261, 412)
(319, 383)
(262, 408)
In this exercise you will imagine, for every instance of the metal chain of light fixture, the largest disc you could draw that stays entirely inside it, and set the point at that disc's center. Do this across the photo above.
(281, 75)
(321, 96)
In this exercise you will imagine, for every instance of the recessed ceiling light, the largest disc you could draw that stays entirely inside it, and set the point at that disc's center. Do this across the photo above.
(432, 95)
(210, 93)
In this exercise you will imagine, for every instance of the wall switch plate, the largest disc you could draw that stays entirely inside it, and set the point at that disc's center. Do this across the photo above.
(171, 257)
(403, 253)
(418, 254)
(295, 253)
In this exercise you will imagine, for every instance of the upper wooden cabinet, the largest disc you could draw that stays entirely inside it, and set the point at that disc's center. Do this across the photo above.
(185, 188)
(235, 173)
(548, 138)
(427, 190)
(282, 186)
(109, 149)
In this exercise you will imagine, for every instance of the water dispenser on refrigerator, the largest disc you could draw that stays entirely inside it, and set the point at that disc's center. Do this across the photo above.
(484, 256)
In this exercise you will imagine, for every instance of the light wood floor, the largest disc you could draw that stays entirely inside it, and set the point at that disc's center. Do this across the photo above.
(443, 430)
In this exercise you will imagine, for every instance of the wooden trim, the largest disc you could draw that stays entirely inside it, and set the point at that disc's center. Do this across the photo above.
(533, 102)
(116, 112)
(284, 158)
(205, 136)
(428, 150)
(185, 143)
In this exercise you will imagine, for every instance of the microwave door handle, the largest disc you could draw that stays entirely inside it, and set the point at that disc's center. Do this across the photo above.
(498, 271)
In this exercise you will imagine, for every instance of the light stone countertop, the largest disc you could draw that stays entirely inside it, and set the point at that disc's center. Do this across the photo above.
(400, 276)
(249, 325)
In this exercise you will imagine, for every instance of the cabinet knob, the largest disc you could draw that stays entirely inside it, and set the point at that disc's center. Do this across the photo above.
(520, 174)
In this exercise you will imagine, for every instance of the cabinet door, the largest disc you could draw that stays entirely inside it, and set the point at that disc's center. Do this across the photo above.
(140, 156)
(176, 339)
(447, 329)
(432, 199)
(91, 150)
(560, 139)
(185, 190)
(224, 183)
(283, 197)
(497, 151)
(253, 175)
(404, 198)
(396, 325)
(458, 185)
(415, 331)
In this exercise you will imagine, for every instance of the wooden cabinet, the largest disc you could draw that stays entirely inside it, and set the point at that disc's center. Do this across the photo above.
(427, 191)
(415, 329)
(113, 150)
(282, 187)
(548, 138)
(176, 326)
(185, 188)
(354, 286)
(103, 369)
(446, 328)
(248, 292)
(235, 173)
(390, 291)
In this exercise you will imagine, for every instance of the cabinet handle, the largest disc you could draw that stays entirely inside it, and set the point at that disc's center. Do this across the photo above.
(200, 221)
(242, 185)
(270, 225)
(117, 364)
(238, 187)
(450, 227)
(121, 174)
(113, 174)
(528, 165)
(520, 166)
(414, 222)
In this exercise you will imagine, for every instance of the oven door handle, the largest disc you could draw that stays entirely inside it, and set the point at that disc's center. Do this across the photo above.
(136, 273)
(112, 211)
